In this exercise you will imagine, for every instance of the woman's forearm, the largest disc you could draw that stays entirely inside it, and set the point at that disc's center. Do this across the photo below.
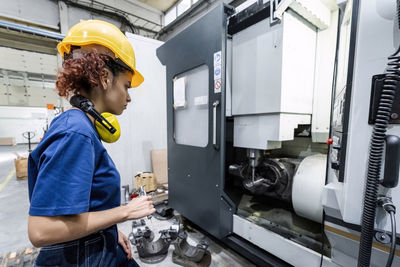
(48, 230)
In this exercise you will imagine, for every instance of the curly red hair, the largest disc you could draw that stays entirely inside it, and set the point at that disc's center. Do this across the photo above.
(83, 73)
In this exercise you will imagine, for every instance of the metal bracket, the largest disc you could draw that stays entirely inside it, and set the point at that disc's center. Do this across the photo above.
(186, 253)
(382, 237)
(149, 251)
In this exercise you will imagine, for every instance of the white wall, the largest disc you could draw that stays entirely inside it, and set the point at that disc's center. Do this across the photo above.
(143, 123)
(16, 120)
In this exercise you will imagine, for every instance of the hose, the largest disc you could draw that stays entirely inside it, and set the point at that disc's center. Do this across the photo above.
(398, 14)
(375, 157)
(393, 241)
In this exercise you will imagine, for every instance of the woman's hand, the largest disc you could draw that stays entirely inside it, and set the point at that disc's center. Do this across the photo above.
(49, 230)
(139, 207)
(125, 244)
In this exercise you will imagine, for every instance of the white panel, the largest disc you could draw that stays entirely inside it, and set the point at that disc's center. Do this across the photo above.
(50, 85)
(35, 98)
(182, 6)
(51, 97)
(374, 30)
(313, 11)
(36, 84)
(143, 123)
(256, 69)
(43, 12)
(324, 67)
(266, 131)
(279, 81)
(17, 91)
(11, 59)
(289, 251)
(298, 62)
(3, 91)
(40, 63)
(3, 94)
(170, 16)
(33, 62)
(24, 61)
(18, 96)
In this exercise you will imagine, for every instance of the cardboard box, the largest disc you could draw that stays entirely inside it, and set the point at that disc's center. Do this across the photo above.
(147, 179)
(21, 167)
(160, 165)
(7, 141)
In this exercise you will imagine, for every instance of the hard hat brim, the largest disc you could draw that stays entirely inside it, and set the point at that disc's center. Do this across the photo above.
(137, 78)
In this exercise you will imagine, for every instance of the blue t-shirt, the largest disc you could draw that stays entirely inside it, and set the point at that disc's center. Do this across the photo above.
(70, 171)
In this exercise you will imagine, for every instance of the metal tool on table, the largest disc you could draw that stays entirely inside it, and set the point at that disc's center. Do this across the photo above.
(142, 192)
(126, 194)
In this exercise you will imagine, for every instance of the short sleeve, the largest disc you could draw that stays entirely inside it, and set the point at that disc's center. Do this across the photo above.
(64, 178)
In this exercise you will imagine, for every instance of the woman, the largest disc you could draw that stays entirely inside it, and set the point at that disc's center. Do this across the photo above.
(74, 187)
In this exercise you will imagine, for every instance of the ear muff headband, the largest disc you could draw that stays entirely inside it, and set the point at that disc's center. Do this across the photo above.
(87, 106)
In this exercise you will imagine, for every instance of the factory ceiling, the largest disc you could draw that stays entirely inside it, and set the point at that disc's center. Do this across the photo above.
(162, 5)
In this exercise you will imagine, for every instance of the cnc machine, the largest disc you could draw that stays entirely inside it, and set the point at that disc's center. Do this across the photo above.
(276, 134)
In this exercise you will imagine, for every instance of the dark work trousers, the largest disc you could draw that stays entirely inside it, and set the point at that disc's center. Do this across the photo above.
(100, 249)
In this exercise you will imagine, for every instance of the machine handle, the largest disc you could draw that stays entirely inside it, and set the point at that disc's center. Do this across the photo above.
(392, 162)
(215, 105)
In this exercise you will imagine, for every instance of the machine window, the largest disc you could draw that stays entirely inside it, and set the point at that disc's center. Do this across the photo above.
(190, 91)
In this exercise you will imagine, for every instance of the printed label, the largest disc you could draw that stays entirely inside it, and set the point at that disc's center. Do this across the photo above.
(217, 71)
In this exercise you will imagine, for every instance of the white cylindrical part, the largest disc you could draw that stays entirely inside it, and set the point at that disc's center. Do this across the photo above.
(308, 183)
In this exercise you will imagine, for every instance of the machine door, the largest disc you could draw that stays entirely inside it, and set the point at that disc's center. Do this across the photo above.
(195, 67)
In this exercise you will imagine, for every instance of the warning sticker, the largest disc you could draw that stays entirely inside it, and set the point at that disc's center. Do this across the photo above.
(217, 86)
(217, 71)
(217, 58)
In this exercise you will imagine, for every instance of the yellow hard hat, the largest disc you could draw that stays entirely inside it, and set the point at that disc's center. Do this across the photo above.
(105, 34)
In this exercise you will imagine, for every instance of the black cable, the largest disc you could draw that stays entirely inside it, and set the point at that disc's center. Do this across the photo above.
(393, 241)
(377, 145)
(392, 76)
(386, 203)
(375, 160)
(398, 13)
(392, 211)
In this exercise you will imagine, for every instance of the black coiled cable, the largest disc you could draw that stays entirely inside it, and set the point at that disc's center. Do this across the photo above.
(398, 14)
(375, 158)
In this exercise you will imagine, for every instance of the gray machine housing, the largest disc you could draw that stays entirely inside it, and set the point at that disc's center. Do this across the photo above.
(270, 124)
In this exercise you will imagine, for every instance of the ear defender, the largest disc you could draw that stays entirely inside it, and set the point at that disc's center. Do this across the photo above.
(107, 125)
(105, 132)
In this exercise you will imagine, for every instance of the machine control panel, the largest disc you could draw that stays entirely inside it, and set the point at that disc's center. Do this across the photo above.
(376, 91)
(334, 155)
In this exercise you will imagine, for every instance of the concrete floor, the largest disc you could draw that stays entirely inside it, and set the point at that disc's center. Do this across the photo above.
(14, 206)
(14, 202)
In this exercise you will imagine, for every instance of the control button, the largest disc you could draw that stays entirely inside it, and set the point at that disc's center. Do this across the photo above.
(329, 141)
(336, 147)
(335, 165)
